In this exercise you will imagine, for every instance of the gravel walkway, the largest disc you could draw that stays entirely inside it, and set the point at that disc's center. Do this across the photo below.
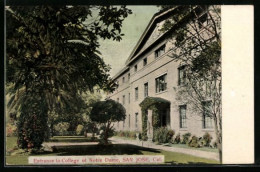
(198, 153)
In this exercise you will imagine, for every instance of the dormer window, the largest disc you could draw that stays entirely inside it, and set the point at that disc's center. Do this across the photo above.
(160, 51)
(135, 68)
(202, 19)
(144, 61)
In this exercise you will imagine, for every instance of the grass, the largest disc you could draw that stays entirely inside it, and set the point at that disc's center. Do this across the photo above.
(72, 139)
(117, 149)
(188, 147)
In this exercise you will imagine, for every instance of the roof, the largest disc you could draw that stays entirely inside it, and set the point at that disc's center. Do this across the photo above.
(121, 72)
(155, 19)
(149, 101)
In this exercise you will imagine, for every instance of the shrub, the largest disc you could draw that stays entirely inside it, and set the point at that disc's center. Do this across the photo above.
(215, 145)
(163, 135)
(11, 130)
(194, 142)
(207, 139)
(128, 134)
(186, 138)
(79, 130)
(61, 129)
(177, 139)
(170, 135)
(103, 138)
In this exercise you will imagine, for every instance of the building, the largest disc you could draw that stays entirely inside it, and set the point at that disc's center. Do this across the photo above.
(151, 75)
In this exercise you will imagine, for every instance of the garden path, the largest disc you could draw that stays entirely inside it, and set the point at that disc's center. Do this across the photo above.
(198, 153)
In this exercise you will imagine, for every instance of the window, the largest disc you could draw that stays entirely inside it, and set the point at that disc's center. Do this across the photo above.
(124, 123)
(146, 89)
(136, 121)
(207, 118)
(183, 118)
(129, 121)
(118, 100)
(136, 93)
(123, 79)
(161, 83)
(117, 83)
(145, 61)
(128, 76)
(123, 99)
(160, 51)
(202, 19)
(181, 75)
(136, 68)
(129, 97)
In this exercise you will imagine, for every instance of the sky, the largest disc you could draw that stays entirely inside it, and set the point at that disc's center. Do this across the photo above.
(116, 53)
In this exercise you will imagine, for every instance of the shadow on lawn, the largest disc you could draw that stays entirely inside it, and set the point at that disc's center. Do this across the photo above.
(118, 149)
(72, 139)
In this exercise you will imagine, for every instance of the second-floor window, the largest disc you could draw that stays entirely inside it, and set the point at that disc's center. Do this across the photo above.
(129, 97)
(136, 93)
(181, 75)
(160, 51)
(144, 61)
(161, 83)
(123, 79)
(146, 89)
(128, 76)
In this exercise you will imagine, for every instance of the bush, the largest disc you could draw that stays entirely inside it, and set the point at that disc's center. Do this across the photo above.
(215, 145)
(61, 129)
(186, 138)
(194, 142)
(11, 130)
(163, 135)
(177, 139)
(79, 130)
(102, 137)
(207, 139)
(128, 134)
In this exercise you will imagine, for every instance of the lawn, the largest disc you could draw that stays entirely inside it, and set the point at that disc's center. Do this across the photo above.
(117, 149)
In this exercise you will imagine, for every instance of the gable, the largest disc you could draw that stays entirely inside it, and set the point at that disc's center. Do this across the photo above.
(154, 36)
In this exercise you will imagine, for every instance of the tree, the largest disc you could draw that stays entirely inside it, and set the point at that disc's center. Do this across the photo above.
(52, 57)
(105, 113)
(196, 35)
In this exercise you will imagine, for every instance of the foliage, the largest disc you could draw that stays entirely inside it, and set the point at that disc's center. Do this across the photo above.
(163, 135)
(105, 134)
(61, 129)
(197, 46)
(105, 113)
(207, 139)
(54, 50)
(186, 138)
(154, 104)
(128, 134)
(11, 130)
(79, 130)
(177, 139)
(194, 142)
(32, 123)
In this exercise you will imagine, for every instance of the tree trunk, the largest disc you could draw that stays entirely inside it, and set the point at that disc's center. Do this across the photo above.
(106, 134)
(218, 139)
